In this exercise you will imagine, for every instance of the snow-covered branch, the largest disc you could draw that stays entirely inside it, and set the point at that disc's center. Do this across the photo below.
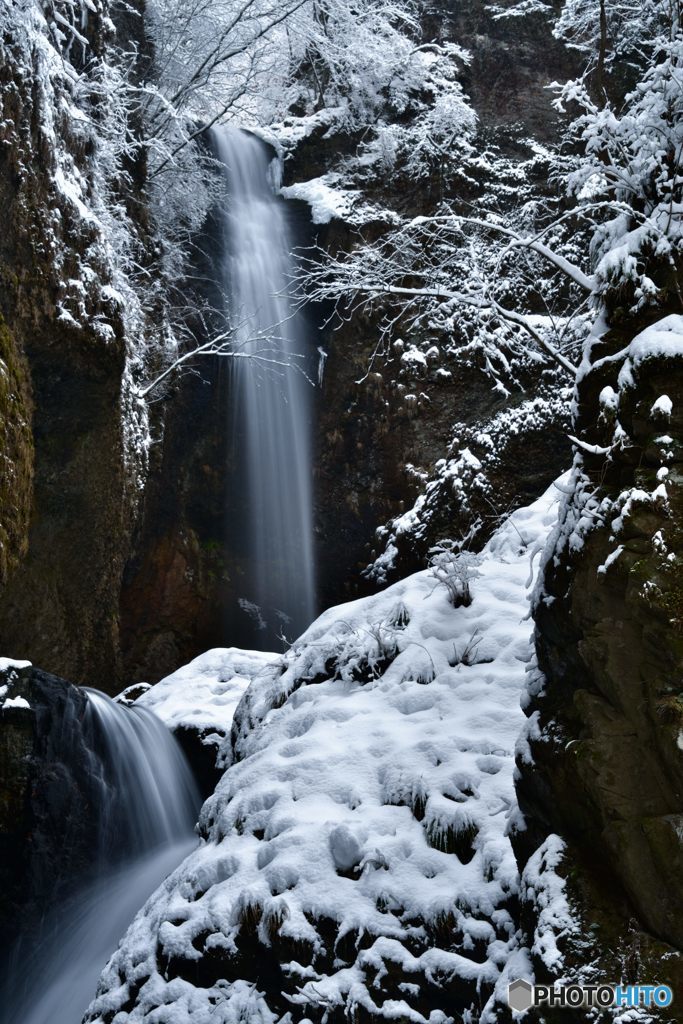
(529, 242)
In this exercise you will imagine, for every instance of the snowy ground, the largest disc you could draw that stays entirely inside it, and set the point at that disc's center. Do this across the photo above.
(355, 860)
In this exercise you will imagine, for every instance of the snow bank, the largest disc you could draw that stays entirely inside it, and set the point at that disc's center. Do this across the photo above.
(9, 668)
(663, 339)
(330, 200)
(204, 694)
(355, 858)
(14, 702)
(326, 201)
(6, 664)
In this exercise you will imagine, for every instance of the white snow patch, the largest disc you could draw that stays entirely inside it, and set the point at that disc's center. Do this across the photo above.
(663, 339)
(662, 407)
(413, 358)
(204, 694)
(611, 558)
(326, 200)
(609, 400)
(8, 663)
(15, 702)
(546, 889)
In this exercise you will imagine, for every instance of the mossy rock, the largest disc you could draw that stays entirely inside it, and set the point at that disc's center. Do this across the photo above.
(606, 945)
(16, 453)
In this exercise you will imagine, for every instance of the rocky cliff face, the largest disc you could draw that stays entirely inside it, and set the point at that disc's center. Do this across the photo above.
(68, 419)
(48, 796)
(606, 711)
(181, 578)
(16, 448)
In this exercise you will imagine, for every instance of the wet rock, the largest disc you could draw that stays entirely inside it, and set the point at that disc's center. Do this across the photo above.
(16, 448)
(62, 386)
(48, 795)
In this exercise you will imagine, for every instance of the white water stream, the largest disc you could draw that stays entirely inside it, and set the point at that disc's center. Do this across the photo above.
(271, 394)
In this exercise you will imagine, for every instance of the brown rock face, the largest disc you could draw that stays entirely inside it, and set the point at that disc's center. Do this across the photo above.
(608, 772)
(178, 584)
(62, 605)
(67, 538)
(16, 452)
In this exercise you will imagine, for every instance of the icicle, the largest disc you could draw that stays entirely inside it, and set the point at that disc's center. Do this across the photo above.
(321, 365)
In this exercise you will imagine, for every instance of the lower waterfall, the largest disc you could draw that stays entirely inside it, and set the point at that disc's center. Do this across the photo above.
(144, 829)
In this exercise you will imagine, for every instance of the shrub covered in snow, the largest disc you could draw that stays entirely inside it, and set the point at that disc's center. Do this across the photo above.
(454, 570)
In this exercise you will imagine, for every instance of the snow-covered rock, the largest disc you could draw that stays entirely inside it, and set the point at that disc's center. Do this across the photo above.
(203, 695)
(355, 860)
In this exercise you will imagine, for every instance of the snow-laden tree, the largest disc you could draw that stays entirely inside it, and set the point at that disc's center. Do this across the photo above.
(432, 270)
(614, 37)
(364, 64)
(519, 281)
(370, 64)
(631, 163)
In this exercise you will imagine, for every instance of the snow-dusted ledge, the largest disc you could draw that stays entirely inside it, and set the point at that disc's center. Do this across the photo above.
(9, 667)
(203, 695)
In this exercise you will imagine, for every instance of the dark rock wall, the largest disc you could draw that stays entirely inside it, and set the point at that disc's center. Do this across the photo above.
(16, 454)
(62, 605)
(514, 60)
(374, 452)
(609, 718)
(48, 798)
(67, 539)
(179, 581)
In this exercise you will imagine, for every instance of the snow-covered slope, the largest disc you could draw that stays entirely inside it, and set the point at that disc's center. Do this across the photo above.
(355, 861)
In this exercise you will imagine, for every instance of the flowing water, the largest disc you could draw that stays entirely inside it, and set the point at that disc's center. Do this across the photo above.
(147, 809)
(271, 394)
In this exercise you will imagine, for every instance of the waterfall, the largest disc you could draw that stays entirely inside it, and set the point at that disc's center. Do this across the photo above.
(149, 796)
(146, 812)
(271, 394)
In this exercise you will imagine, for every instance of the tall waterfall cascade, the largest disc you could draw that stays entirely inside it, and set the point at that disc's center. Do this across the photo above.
(144, 829)
(271, 392)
